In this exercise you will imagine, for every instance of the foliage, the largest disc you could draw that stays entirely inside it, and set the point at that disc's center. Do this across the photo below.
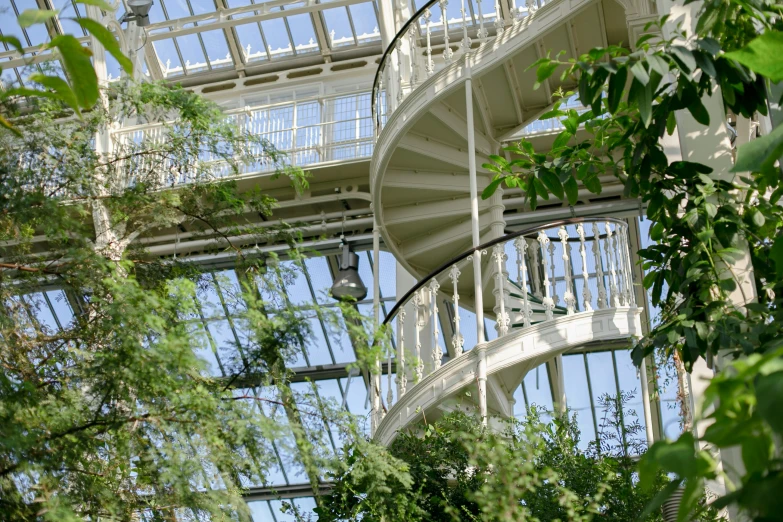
(705, 223)
(115, 413)
(523, 470)
(78, 88)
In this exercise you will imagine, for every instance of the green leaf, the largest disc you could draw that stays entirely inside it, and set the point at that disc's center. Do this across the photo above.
(540, 188)
(658, 64)
(616, 89)
(671, 123)
(562, 139)
(77, 63)
(13, 41)
(763, 55)
(776, 254)
(60, 87)
(35, 16)
(769, 394)
(757, 154)
(571, 190)
(552, 182)
(643, 98)
(684, 57)
(491, 188)
(109, 42)
(544, 71)
(699, 112)
(7, 124)
(97, 3)
(640, 73)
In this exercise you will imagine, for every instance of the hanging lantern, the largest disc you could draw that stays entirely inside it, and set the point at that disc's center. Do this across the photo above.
(348, 284)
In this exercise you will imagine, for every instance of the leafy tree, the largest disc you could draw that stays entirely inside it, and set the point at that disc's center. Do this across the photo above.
(526, 470)
(702, 225)
(113, 414)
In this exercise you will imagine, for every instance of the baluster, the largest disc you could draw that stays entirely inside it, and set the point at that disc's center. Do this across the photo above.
(447, 52)
(619, 265)
(602, 302)
(500, 23)
(389, 394)
(502, 319)
(569, 295)
(536, 285)
(414, 55)
(402, 380)
(630, 297)
(613, 297)
(458, 341)
(399, 71)
(465, 39)
(549, 304)
(417, 305)
(482, 32)
(586, 295)
(521, 247)
(429, 66)
(437, 353)
(532, 6)
(555, 298)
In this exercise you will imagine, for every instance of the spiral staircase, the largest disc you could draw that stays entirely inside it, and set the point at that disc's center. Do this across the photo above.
(551, 288)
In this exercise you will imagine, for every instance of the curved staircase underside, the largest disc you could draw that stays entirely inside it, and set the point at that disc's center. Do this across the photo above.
(420, 164)
(509, 358)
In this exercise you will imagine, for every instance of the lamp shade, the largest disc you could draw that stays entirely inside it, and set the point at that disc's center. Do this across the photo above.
(348, 284)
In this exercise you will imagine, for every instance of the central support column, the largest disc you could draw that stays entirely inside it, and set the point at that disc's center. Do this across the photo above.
(478, 291)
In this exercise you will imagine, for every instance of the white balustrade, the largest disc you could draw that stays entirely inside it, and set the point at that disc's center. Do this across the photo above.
(543, 256)
(423, 33)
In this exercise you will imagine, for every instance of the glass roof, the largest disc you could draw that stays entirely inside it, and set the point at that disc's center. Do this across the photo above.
(252, 32)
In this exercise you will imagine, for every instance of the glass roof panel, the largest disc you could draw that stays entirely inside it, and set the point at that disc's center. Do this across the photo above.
(278, 42)
(303, 33)
(192, 53)
(169, 57)
(338, 27)
(66, 16)
(217, 48)
(251, 41)
(365, 22)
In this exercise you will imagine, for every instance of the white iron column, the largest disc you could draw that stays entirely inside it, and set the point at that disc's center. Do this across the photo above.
(474, 219)
(375, 371)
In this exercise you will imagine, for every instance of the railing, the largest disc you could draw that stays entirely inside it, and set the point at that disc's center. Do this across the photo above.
(309, 132)
(424, 44)
(538, 275)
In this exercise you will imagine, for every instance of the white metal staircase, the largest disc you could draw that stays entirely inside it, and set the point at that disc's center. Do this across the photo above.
(440, 111)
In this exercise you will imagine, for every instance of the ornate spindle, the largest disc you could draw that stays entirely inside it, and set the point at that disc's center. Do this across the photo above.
(570, 295)
(429, 66)
(549, 304)
(402, 380)
(630, 297)
(447, 52)
(619, 265)
(553, 280)
(465, 38)
(532, 6)
(482, 32)
(602, 302)
(521, 247)
(502, 319)
(614, 300)
(458, 341)
(399, 71)
(417, 306)
(437, 353)
(499, 22)
(586, 295)
(414, 79)
(536, 285)
(389, 394)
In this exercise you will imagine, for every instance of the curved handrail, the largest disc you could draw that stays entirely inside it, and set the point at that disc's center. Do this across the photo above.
(484, 246)
(389, 49)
